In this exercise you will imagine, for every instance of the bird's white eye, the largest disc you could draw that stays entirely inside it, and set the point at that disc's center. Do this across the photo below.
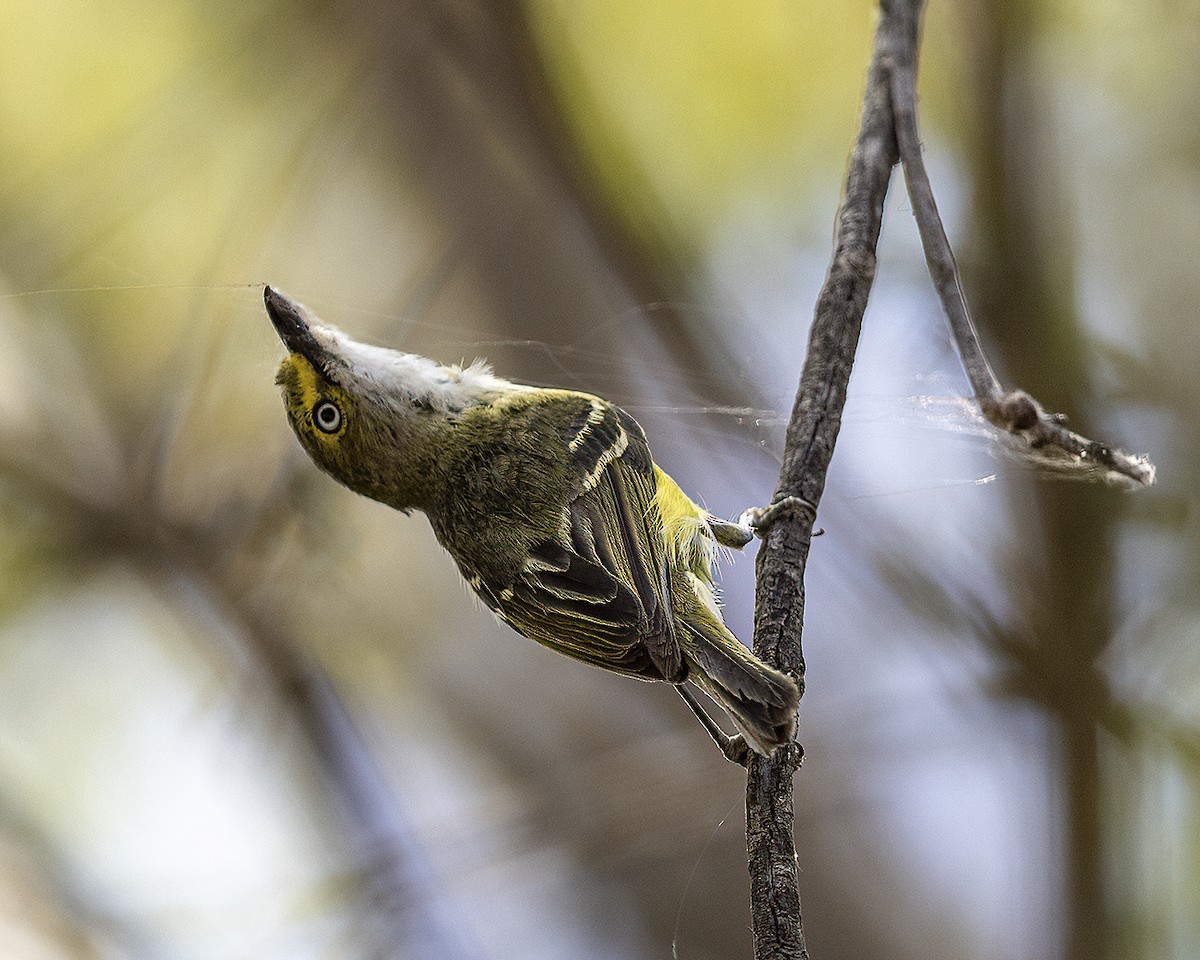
(327, 417)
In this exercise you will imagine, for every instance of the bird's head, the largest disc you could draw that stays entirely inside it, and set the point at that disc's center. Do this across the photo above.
(367, 415)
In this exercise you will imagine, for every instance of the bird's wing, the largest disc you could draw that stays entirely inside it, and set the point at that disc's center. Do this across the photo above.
(601, 593)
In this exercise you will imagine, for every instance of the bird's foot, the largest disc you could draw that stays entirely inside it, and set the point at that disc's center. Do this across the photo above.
(758, 520)
(734, 749)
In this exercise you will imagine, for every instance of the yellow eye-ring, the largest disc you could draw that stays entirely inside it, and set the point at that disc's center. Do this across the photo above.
(327, 417)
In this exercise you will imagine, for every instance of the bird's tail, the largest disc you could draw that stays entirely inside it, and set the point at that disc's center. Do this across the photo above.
(760, 700)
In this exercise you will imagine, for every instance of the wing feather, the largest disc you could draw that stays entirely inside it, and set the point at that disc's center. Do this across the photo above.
(601, 592)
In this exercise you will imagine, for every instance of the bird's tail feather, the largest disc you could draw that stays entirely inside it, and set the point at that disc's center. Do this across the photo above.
(760, 700)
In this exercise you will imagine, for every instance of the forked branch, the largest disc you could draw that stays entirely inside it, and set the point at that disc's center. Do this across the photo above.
(1013, 411)
(888, 132)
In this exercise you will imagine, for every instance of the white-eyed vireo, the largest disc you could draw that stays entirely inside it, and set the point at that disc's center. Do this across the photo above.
(548, 501)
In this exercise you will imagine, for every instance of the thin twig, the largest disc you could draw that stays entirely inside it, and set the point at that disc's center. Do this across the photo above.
(811, 434)
(1013, 411)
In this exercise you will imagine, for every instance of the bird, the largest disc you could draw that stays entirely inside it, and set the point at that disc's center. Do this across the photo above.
(551, 506)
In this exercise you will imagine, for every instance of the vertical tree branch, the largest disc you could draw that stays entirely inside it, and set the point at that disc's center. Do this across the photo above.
(811, 435)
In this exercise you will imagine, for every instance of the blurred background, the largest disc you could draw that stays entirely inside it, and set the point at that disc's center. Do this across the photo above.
(245, 714)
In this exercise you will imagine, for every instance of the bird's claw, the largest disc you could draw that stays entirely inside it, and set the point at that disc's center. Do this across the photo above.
(758, 520)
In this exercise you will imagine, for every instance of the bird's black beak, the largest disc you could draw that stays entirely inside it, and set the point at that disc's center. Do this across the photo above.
(290, 320)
